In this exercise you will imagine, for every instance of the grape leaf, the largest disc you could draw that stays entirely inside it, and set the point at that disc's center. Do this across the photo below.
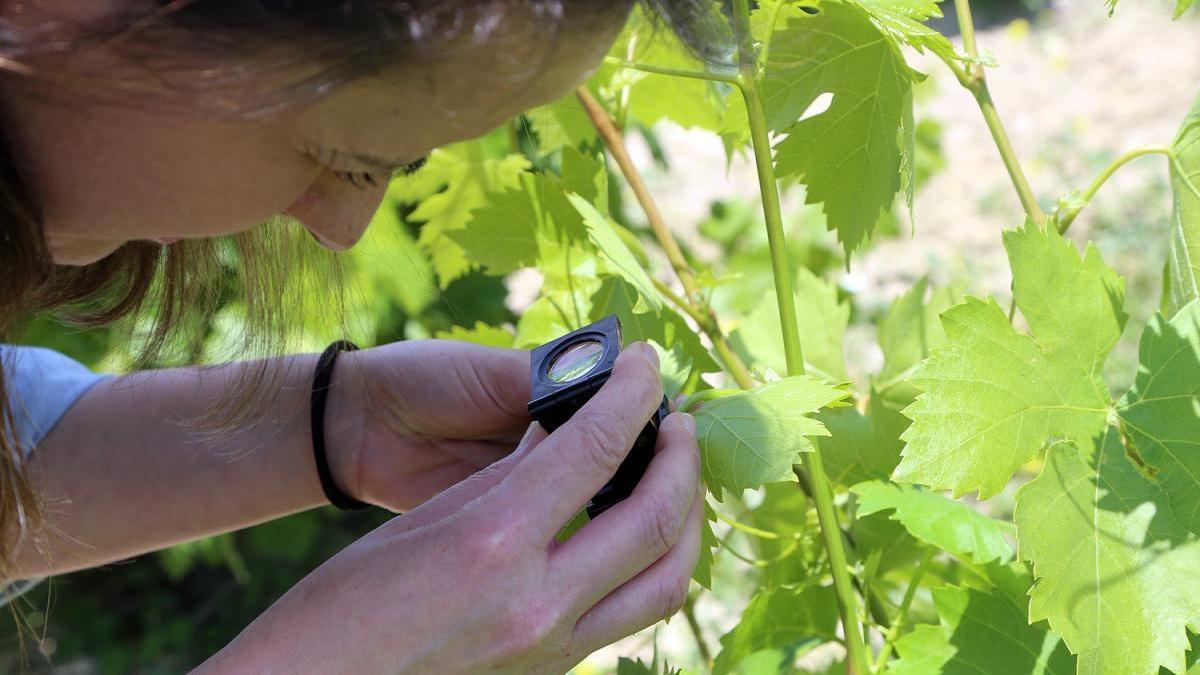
(390, 264)
(708, 541)
(849, 156)
(652, 97)
(778, 617)
(904, 22)
(1159, 413)
(617, 254)
(675, 366)
(1117, 580)
(562, 124)
(861, 447)
(754, 437)
(665, 327)
(480, 334)
(759, 337)
(453, 183)
(994, 397)
(980, 632)
(522, 225)
(907, 333)
(936, 520)
(1073, 306)
(787, 561)
(1184, 262)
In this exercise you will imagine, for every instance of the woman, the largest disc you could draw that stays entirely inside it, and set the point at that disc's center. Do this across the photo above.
(131, 124)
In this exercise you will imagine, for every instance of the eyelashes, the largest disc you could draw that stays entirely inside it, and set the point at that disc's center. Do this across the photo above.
(359, 179)
(364, 179)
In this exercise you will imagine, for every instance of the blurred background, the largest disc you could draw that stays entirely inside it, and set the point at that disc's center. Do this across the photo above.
(1075, 88)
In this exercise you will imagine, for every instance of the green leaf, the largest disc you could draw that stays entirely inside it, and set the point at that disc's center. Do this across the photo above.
(911, 328)
(980, 632)
(994, 397)
(562, 123)
(1160, 414)
(991, 401)
(1181, 6)
(760, 338)
(616, 254)
(849, 156)
(904, 23)
(784, 510)
(665, 327)
(1073, 306)
(754, 437)
(521, 226)
(453, 183)
(688, 102)
(675, 367)
(936, 520)
(1183, 266)
(1116, 579)
(480, 334)
(776, 618)
(861, 447)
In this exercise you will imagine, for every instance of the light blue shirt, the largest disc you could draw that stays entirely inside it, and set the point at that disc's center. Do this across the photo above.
(42, 385)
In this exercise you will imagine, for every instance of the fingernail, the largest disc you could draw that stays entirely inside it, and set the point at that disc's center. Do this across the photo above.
(689, 422)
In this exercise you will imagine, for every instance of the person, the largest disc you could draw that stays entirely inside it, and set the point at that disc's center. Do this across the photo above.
(134, 132)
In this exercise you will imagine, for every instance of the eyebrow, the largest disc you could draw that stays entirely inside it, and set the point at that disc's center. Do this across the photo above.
(391, 166)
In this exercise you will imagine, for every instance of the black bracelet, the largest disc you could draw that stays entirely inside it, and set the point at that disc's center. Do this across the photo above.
(320, 393)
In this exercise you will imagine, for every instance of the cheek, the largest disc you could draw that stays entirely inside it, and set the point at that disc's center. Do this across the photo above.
(335, 212)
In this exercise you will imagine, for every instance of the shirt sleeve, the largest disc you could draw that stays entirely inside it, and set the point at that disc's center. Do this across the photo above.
(41, 386)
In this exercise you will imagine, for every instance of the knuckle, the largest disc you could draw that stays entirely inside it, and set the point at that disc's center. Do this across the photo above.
(663, 525)
(493, 541)
(601, 440)
(530, 627)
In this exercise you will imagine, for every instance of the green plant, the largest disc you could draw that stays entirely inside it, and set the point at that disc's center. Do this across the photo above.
(904, 577)
(855, 543)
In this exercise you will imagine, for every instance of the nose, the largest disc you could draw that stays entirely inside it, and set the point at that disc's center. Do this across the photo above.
(336, 212)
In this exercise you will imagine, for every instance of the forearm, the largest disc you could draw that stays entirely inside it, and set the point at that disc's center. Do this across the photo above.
(125, 471)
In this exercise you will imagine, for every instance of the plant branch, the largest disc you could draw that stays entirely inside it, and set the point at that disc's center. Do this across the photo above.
(893, 633)
(706, 395)
(1068, 216)
(693, 302)
(689, 613)
(974, 80)
(831, 531)
(671, 72)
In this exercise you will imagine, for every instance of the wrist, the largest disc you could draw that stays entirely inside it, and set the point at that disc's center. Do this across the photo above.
(345, 417)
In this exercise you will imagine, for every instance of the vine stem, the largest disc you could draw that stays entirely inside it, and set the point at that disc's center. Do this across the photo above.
(893, 633)
(831, 531)
(1065, 220)
(693, 302)
(974, 80)
(671, 72)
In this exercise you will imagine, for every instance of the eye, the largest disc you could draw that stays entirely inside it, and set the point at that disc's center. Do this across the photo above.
(359, 179)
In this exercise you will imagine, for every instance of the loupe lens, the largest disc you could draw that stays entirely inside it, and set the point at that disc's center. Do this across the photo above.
(577, 361)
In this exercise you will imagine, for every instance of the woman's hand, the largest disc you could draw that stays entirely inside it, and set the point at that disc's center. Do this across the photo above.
(410, 419)
(473, 581)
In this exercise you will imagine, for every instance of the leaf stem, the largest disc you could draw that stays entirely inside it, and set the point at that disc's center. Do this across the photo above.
(974, 80)
(693, 302)
(893, 633)
(671, 72)
(1068, 216)
(751, 530)
(689, 613)
(831, 531)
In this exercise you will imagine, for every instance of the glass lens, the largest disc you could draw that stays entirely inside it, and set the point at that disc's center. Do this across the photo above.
(575, 362)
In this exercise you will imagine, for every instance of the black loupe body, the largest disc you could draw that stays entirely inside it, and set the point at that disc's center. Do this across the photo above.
(566, 373)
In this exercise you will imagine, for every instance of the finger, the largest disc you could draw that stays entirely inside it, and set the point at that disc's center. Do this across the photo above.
(653, 595)
(559, 476)
(500, 380)
(465, 491)
(630, 536)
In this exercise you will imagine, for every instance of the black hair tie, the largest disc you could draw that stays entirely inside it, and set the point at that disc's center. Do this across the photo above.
(320, 394)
